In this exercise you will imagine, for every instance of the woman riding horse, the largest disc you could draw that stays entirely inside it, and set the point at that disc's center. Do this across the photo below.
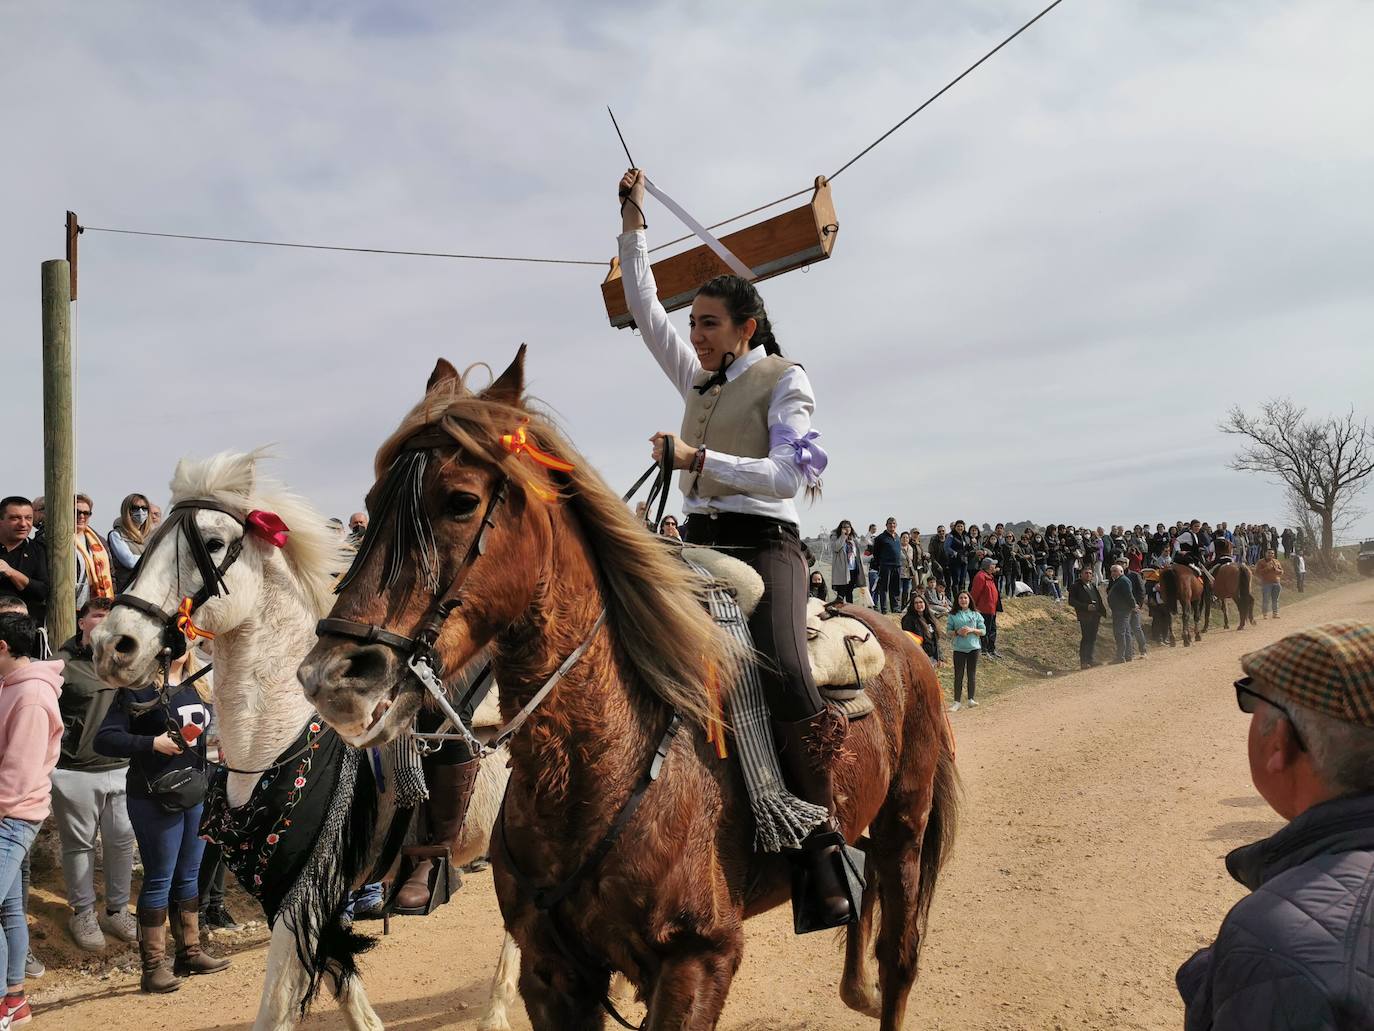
(746, 449)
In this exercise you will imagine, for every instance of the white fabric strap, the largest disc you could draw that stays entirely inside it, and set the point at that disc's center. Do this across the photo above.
(738, 267)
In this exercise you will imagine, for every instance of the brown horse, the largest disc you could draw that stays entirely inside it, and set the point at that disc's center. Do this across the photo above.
(1184, 592)
(1230, 582)
(665, 904)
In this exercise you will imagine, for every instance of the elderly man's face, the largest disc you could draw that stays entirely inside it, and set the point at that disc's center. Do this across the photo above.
(1273, 751)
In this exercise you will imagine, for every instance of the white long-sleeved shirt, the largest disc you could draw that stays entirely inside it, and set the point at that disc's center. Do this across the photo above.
(769, 485)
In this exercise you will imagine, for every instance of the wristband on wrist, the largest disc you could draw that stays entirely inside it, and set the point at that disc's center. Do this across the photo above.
(699, 460)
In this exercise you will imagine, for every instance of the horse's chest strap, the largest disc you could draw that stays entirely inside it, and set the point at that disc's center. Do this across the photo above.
(546, 898)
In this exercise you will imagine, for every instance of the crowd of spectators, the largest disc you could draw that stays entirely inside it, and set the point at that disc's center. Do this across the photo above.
(949, 586)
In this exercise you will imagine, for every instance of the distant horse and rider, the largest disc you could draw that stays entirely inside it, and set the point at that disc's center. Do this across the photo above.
(1231, 580)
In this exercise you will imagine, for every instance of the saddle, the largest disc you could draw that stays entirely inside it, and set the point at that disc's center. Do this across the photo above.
(844, 653)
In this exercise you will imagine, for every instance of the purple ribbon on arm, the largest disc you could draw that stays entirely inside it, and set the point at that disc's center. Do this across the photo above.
(809, 456)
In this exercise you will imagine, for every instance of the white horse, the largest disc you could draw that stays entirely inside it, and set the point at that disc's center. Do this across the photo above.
(263, 625)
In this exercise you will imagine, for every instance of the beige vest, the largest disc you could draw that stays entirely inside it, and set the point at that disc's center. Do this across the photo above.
(731, 418)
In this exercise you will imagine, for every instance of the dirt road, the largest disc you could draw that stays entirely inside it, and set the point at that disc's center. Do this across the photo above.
(1098, 809)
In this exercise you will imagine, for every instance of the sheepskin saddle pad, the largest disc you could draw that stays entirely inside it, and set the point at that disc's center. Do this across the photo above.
(844, 653)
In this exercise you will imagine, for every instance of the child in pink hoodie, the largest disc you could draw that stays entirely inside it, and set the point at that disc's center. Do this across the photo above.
(30, 740)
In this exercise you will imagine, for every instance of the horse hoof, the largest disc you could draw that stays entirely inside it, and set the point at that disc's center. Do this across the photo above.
(863, 998)
(494, 1022)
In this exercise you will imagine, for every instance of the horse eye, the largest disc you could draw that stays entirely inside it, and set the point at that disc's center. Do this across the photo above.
(460, 504)
(214, 545)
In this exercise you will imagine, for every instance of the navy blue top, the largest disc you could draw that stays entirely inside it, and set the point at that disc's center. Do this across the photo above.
(126, 735)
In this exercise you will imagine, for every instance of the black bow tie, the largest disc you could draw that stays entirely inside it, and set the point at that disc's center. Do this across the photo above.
(718, 378)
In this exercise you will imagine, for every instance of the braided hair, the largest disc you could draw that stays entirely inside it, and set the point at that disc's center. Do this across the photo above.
(743, 302)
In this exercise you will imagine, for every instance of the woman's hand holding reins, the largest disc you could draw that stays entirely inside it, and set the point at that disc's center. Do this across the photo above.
(631, 193)
(165, 744)
(683, 454)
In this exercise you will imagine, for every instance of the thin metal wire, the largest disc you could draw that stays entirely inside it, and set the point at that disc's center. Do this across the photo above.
(945, 89)
(351, 250)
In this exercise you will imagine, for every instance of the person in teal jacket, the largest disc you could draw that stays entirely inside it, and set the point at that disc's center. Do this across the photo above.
(966, 630)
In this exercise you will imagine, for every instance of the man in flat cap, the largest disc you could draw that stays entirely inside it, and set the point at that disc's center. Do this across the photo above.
(1298, 951)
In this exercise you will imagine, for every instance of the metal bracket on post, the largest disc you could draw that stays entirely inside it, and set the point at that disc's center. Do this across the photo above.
(74, 229)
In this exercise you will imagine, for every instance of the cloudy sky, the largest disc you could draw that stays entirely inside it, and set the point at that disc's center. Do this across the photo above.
(1047, 288)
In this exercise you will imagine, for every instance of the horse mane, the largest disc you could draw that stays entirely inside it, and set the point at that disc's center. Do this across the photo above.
(312, 552)
(654, 601)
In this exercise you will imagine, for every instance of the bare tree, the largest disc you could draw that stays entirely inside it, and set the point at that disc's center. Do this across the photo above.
(1324, 463)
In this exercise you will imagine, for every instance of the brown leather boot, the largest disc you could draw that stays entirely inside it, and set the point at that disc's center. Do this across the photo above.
(431, 878)
(821, 896)
(152, 952)
(186, 930)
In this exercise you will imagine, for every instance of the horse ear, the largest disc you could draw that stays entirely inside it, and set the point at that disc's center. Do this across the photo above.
(443, 372)
(509, 387)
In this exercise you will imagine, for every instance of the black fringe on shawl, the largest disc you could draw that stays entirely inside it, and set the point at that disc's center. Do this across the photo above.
(323, 944)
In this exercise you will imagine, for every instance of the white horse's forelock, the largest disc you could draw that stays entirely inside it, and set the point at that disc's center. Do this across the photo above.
(313, 552)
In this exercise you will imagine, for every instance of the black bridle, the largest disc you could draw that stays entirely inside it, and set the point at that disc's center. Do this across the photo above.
(399, 510)
(182, 523)
(400, 514)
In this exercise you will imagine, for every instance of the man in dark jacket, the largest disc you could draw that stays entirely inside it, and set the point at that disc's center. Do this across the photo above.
(1087, 603)
(887, 560)
(88, 796)
(23, 562)
(1296, 952)
(1121, 598)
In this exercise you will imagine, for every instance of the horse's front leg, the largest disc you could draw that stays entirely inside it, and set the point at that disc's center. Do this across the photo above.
(557, 996)
(285, 984)
(689, 990)
(503, 993)
(358, 1013)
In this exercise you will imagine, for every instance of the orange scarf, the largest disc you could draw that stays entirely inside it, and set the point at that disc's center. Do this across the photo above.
(92, 551)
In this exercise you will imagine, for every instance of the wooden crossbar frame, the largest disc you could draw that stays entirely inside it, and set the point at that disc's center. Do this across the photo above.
(793, 239)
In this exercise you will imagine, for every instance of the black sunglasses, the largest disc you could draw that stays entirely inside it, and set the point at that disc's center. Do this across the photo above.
(1245, 698)
(138, 508)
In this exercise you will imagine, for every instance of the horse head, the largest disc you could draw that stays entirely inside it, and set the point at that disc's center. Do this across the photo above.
(487, 528)
(459, 540)
(202, 572)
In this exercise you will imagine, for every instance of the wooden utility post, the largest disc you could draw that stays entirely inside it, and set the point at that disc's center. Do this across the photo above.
(59, 483)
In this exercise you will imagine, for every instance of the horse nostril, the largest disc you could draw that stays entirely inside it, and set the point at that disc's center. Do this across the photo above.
(125, 645)
(365, 663)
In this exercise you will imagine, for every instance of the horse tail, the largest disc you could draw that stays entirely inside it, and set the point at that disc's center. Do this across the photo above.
(941, 826)
(1168, 581)
(1243, 595)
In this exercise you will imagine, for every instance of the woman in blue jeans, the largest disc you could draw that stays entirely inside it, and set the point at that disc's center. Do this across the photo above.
(169, 842)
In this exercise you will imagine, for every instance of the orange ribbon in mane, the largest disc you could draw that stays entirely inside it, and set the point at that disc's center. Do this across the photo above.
(517, 444)
(187, 627)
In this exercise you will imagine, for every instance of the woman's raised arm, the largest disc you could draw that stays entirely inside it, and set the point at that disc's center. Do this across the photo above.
(673, 354)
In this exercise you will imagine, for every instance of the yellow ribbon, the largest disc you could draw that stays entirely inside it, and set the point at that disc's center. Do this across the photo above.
(187, 627)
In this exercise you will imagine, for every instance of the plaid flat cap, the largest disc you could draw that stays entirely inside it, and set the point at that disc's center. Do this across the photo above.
(1328, 668)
